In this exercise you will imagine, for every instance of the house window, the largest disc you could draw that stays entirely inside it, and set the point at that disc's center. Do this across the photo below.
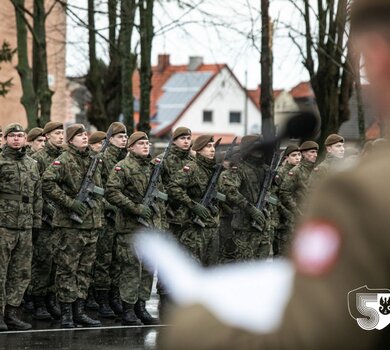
(207, 116)
(235, 117)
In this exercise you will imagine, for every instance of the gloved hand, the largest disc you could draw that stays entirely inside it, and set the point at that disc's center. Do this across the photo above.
(256, 215)
(79, 207)
(145, 212)
(200, 211)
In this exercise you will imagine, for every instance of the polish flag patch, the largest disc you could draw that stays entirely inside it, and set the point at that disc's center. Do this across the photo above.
(290, 173)
(118, 168)
(316, 248)
(186, 169)
(56, 162)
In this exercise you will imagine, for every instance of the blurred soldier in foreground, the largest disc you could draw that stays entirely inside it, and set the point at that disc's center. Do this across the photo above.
(36, 141)
(126, 187)
(76, 240)
(21, 209)
(341, 246)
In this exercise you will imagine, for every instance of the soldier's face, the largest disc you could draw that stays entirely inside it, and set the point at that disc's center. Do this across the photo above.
(208, 151)
(337, 149)
(56, 137)
(80, 141)
(310, 155)
(16, 140)
(119, 140)
(96, 147)
(38, 143)
(183, 142)
(294, 158)
(141, 148)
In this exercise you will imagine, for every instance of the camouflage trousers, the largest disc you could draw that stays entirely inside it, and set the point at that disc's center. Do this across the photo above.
(135, 282)
(15, 265)
(43, 269)
(75, 256)
(202, 244)
(107, 269)
(282, 242)
(251, 245)
(226, 244)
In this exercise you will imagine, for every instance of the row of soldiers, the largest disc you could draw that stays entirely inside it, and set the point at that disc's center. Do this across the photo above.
(60, 259)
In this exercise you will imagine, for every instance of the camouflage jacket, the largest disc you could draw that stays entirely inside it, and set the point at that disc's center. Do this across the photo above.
(61, 183)
(242, 186)
(294, 187)
(126, 187)
(188, 186)
(44, 158)
(328, 165)
(175, 161)
(29, 151)
(20, 190)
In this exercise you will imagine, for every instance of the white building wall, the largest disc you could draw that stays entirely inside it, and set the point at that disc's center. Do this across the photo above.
(222, 96)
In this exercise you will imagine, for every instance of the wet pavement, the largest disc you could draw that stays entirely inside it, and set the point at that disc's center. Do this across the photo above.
(47, 335)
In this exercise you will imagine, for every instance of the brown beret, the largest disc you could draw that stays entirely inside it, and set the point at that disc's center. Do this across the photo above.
(180, 131)
(118, 128)
(96, 137)
(247, 141)
(51, 126)
(332, 139)
(136, 136)
(74, 130)
(308, 145)
(290, 149)
(201, 142)
(13, 127)
(33, 134)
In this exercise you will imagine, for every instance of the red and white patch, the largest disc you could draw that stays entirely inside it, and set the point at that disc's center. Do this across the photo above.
(290, 173)
(118, 168)
(56, 162)
(186, 169)
(316, 247)
(315, 169)
(234, 168)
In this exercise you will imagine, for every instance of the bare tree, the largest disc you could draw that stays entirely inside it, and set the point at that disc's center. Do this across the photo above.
(6, 53)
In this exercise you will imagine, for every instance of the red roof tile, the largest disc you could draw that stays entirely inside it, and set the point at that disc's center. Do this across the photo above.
(303, 89)
(255, 95)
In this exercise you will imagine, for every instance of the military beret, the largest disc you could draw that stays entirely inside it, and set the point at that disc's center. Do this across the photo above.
(247, 141)
(136, 136)
(332, 139)
(33, 134)
(308, 145)
(118, 128)
(201, 142)
(290, 149)
(13, 127)
(51, 126)
(96, 137)
(180, 131)
(73, 130)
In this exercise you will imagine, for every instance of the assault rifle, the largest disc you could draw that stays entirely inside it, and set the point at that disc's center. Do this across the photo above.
(211, 193)
(269, 176)
(152, 192)
(88, 188)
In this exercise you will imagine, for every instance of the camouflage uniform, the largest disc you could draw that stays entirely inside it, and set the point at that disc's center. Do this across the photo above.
(21, 209)
(328, 165)
(292, 193)
(225, 233)
(107, 266)
(177, 158)
(43, 267)
(76, 245)
(242, 186)
(187, 188)
(125, 189)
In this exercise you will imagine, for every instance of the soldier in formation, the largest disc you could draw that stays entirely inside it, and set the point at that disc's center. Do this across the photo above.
(35, 140)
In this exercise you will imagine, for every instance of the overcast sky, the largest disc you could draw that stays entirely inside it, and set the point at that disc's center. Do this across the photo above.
(182, 32)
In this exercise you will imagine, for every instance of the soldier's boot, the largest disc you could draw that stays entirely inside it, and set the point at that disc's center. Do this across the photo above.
(104, 306)
(143, 314)
(13, 321)
(115, 301)
(3, 326)
(28, 302)
(40, 311)
(80, 317)
(66, 315)
(129, 318)
(91, 303)
(52, 306)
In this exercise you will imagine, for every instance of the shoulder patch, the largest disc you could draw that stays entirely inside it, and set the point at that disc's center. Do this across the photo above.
(186, 168)
(56, 162)
(290, 173)
(100, 160)
(234, 168)
(316, 247)
(118, 168)
(316, 169)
